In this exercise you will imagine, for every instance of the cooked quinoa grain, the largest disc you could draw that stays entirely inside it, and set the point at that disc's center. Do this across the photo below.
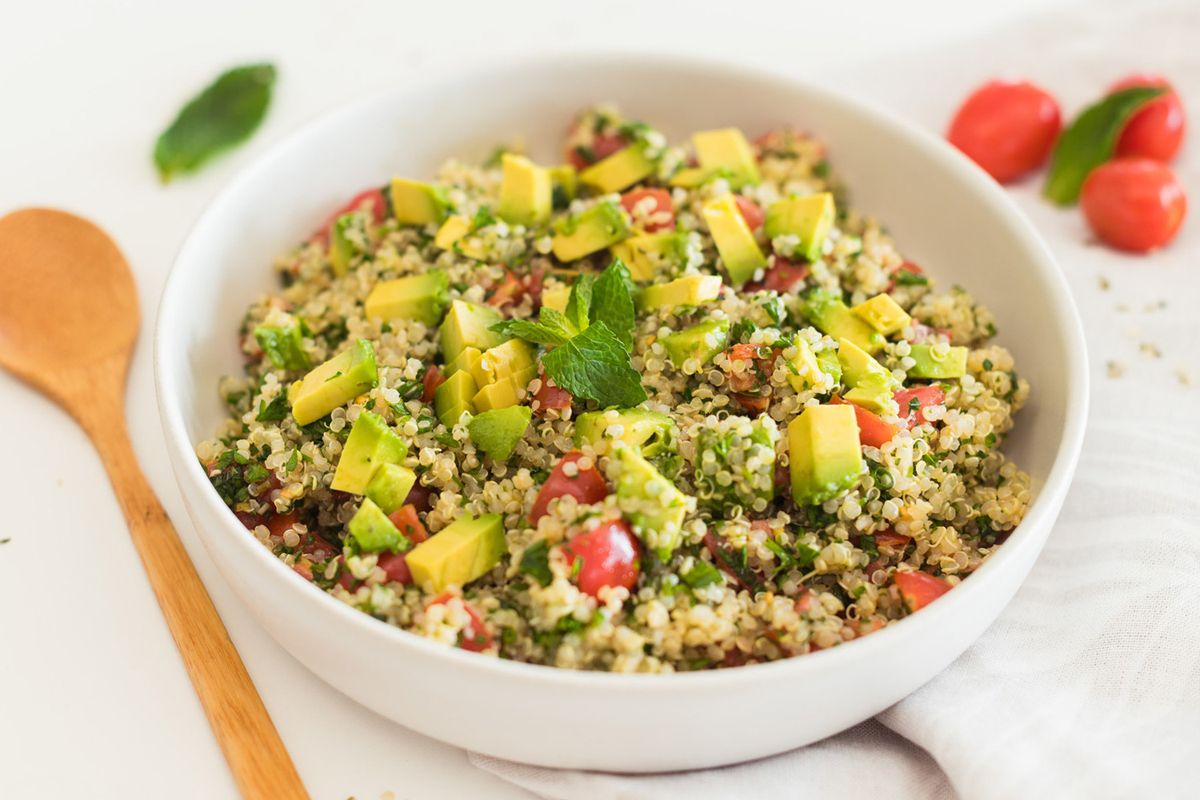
(664, 407)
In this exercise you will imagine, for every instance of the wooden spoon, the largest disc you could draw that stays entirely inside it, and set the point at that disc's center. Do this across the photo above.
(68, 321)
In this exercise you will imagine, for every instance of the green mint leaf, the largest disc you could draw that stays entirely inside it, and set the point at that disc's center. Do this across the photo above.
(530, 331)
(535, 562)
(595, 365)
(612, 302)
(1090, 139)
(221, 116)
(579, 303)
(702, 574)
(556, 320)
(284, 346)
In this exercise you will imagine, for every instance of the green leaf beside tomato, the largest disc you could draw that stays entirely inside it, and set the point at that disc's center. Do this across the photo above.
(1090, 140)
(225, 114)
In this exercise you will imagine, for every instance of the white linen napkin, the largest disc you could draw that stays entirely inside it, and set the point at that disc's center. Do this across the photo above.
(1089, 683)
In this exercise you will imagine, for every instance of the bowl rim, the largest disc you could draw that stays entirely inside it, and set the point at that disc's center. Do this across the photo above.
(1041, 513)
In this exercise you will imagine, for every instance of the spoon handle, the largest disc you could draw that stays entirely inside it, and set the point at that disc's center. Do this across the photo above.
(257, 758)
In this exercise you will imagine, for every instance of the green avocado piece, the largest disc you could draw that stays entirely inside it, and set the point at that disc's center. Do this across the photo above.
(860, 369)
(284, 346)
(589, 231)
(827, 360)
(416, 203)
(938, 362)
(649, 431)
(564, 183)
(646, 253)
(370, 445)
(807, 218)
(347, 239)
(390, 485)
(734, 240)
(827, 311)
(423, 298)
(526, 191)
(334, 383)
(690, 290)
(468, 325)
(744, 450)
(453, 397)
(504, 392)
(620, 170)
(465, 550)
(824, 453)
(653, 505)
(701, 342)
(727, 152)
(497, 432)
(804, 365)
(874, 397)
(505, 360)
(883, 314)
(370, 531)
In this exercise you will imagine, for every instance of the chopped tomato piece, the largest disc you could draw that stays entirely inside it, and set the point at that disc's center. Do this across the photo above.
(603, 146)
(279, 524)
(509, 290)
(872, 430)
(889, 538)
(475, 636)
(782, 276)
(405, 518)
(651, 216)
(250, 521)
(532, 282)
(754, 403)
(728, 562)
(907, 267)
(396, 567)
(585, 485)
(750, 210)
(913, 413)
(608, 555)
(303, 568)
(550, 396)
(378, 211)
(754, 379)
(432, 379)
(919, 589)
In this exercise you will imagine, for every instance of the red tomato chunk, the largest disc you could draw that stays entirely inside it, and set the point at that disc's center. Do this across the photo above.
(609, 555)
(585, 485)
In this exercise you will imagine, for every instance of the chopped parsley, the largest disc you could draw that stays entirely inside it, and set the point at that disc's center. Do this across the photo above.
(702, 574)
(273, 411)
(535, 562)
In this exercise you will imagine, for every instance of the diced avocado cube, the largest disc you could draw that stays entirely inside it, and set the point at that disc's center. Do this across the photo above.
(726, 151)
(883, 314)
(556, 297)
(824, 453)
(505, 360)
(646, 253)
(504, 392)
(284, 346)
(465, 550)
(874, 397)
(620, 170)
(418, 297)
(371, 444)
(497, 432)
(832, 316)
(804, 367)
(390, 485)
(564, 185)
(526, 194)
(860, 369)
(808, 218)
(347, 239)
(649, 431)
(453, 236)
(734, 239)
(467, 360)
(468, 325)
(334, 383)
(938, 362)
(690, 290)
(701, 342)
(655, 508)
(735, 464)
(453, 398)
(370, 531)
(690, 177)
(828, 361)
(589, 231)
(416, 203)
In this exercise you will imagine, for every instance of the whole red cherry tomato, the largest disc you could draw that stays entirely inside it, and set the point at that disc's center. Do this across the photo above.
(1156, 130)
(1007, 127)
(1134, 204)
(608, 555)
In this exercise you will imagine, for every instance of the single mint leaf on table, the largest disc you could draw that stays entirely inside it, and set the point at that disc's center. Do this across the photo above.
(612, 302)
(579, 303)
(1090, 140)
(221, 116)
(595, 365)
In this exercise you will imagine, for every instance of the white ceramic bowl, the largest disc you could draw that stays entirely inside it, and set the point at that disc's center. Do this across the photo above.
(944, 213)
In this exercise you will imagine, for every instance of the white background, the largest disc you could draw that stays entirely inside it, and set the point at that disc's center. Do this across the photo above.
(94, 701)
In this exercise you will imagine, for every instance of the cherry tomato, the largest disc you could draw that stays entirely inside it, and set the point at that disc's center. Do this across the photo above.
(661, 214)
(278, 525)
(405, 518)
(378, 210)
(750, 211)
(872, 430)
(475, 636)
(508, 290)
(587, 486)
(1156, 130)
(603, 146)
(783, 276)
(550, 396)
(396, 567)
(889, 538)
(919, 589)
(430, 381)
(1007, 127)
(1134, 204)
(907, 268)
(608, 555)
(925, 396)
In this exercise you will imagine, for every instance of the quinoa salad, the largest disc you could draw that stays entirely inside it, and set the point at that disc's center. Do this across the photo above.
(660, 407)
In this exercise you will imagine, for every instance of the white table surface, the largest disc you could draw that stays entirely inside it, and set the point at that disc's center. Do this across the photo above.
(94, 701)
